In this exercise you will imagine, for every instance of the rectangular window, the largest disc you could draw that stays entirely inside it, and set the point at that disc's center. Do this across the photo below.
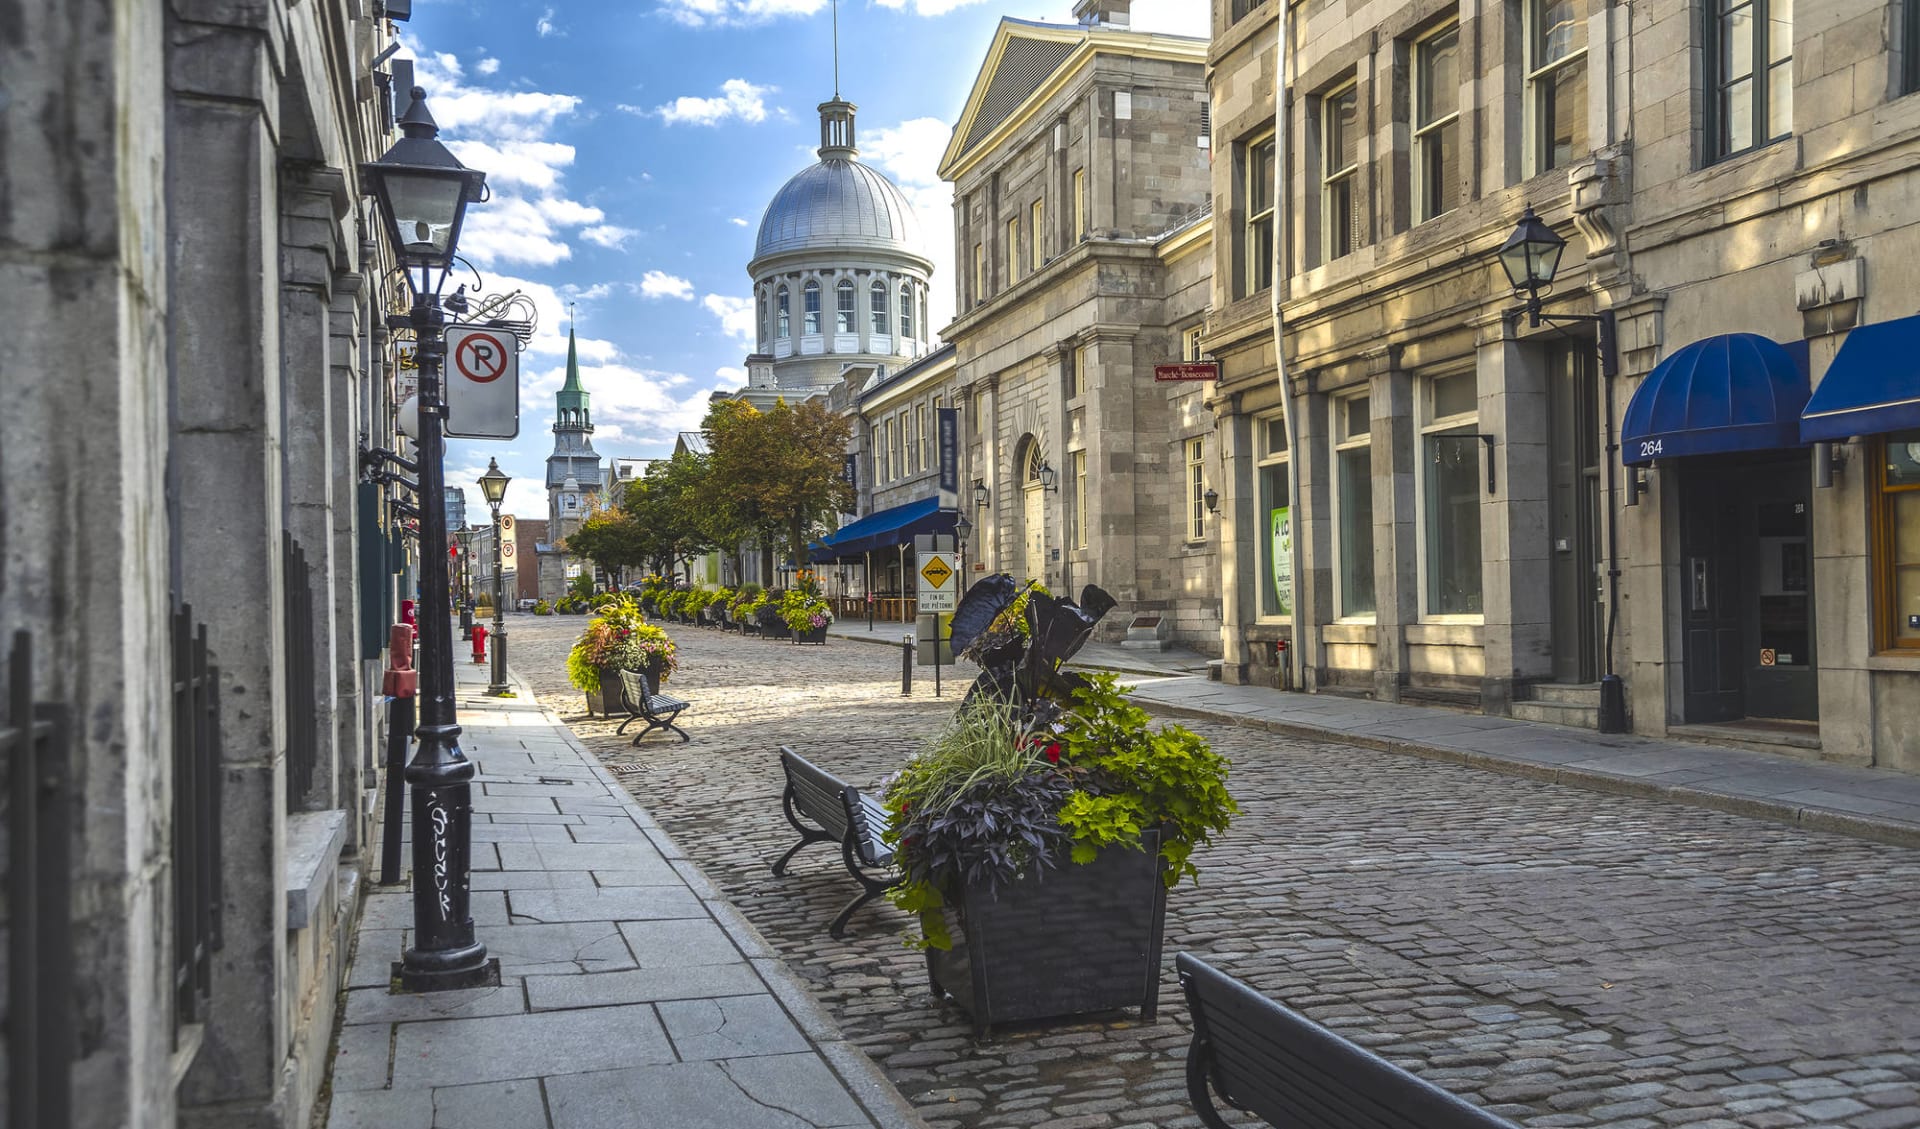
(1079, 499)
(1013, 249)
(1079, 203)
(979, 273)
(893, 446)
(1273, 522)
(1341, 211)
(920, 425)
(1258, 244)
(1436, 124)
(1556, 82)
(1353, 481)
(1451, 481)
(1909, 46)
(1190, 343)
(1077, 380)
(1037, 226)
(1237, 9)
(1896, 541)
(1196, 490)
(1750, 67)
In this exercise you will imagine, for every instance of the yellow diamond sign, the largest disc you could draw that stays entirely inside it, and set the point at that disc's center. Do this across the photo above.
(937, 572)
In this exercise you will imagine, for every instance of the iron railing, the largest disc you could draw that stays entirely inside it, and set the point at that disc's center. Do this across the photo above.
(302, 741)
(39, 917)
(196, 820)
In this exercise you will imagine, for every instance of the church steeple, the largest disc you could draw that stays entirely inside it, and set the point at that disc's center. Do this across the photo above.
(573, 412)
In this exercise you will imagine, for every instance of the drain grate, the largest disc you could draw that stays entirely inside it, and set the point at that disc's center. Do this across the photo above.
(626, 769)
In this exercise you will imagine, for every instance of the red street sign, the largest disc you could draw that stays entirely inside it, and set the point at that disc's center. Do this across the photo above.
(1192, 370)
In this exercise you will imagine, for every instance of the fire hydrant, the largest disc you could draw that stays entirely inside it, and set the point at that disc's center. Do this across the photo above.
(1286, 668)
(479, 642)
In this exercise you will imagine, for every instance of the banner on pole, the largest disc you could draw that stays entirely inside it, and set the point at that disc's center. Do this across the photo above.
(949, 424)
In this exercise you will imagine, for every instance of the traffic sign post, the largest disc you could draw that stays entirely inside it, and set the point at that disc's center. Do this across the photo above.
(483, 383)
(938, 596)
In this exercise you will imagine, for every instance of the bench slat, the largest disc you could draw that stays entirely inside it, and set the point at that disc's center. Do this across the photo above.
(1289, 1070)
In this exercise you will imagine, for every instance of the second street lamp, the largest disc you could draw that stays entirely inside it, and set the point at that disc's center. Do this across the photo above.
(494, 485)
(422, 192)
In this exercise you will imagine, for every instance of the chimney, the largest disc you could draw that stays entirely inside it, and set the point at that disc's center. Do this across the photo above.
(1114, 14)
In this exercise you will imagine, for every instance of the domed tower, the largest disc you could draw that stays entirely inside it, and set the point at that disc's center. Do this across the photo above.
(840, 269)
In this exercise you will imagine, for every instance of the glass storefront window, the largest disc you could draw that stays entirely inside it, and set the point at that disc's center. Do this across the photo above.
(1274, 537)
(1453, 524)
(1356, 531)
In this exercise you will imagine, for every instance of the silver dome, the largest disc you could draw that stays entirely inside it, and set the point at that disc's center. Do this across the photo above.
(837, 205)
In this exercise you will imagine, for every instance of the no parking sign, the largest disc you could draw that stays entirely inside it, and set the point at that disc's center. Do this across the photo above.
(483, 383)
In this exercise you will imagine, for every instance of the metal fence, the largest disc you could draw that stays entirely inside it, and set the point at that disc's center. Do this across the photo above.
(39, 807)
(196, 819)
(302, 741)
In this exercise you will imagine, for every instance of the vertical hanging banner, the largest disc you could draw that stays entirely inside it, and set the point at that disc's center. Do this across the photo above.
(482, 378)
(949, 423)
(851, 473)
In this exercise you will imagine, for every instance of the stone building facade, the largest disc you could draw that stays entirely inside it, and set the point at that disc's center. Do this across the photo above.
(1079, 167)
(1442, 463)
(575, 480)
(191, 573)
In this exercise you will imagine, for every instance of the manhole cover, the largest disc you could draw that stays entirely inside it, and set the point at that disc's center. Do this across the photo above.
(626, 769)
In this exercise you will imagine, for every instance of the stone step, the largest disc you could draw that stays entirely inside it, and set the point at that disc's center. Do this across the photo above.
(1566, 693)
(1559, 713)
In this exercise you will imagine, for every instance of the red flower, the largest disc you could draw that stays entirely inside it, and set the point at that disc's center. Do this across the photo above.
(1053, 753)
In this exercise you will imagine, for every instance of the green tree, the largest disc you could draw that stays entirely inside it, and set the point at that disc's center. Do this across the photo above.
(611, 539)
(666, 504)
(777, 474)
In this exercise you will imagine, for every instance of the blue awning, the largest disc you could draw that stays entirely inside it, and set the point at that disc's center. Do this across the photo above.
(883, 529)
(1872, 386)
(1734, 392)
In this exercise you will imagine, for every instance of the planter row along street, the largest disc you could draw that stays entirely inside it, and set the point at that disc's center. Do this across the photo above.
(1561, 955)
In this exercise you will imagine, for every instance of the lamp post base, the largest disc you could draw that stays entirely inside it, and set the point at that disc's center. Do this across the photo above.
(484, 974)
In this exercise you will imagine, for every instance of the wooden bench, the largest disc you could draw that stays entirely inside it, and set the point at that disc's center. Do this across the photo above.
(1287, 1070)
(844, 815)
(643, 704)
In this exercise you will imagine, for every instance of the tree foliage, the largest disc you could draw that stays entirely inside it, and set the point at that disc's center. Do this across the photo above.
(776, 475)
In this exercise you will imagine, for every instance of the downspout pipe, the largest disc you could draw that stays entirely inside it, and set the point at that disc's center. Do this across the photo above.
(1613, 691)
(1296, 653)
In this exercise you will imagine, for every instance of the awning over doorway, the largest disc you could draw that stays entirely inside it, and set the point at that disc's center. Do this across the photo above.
(883, 529)
(1872, 387)
(1734, 392)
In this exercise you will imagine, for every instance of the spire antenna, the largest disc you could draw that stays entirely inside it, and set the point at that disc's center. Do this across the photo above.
(836, 50)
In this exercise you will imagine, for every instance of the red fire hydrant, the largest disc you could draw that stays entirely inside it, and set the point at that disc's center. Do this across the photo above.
(479, 642)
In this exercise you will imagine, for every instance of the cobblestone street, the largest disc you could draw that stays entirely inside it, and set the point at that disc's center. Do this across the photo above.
(1567, 957)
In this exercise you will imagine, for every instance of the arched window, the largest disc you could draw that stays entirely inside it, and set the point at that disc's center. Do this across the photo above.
(843, 307)
(906, 310)
(923, 315)
(878, 297)
(783, 314)
(760, 324)
(810, 318)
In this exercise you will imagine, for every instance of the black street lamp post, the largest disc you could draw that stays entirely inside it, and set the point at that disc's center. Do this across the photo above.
(465, 539)
(494, 485)
(962, 529)
(422, 192)
(1531, 257)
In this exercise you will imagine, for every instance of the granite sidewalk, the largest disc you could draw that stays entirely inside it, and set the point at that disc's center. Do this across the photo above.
(1864, 802)
(632, 996)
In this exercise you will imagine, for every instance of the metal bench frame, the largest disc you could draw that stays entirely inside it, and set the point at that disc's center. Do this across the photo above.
(844, 815)
(642, 704)
(1287, 1070)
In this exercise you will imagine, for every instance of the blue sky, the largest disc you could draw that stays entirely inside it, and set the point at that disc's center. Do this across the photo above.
(632, 145)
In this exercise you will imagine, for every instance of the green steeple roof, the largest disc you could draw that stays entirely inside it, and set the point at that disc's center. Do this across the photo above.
(572, 393)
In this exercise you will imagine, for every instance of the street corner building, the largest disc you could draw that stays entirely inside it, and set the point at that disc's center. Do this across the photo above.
(1083, 231)
(196, 583)
(1670, 444)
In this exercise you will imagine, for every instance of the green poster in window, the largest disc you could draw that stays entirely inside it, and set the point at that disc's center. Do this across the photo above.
(1282, 533)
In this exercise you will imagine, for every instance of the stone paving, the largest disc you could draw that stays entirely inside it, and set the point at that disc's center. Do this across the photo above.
(1566, 957)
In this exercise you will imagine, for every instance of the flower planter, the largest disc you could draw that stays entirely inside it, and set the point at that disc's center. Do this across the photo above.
(611, 697)
(811, 635)
(777, 629)
(1067, 940)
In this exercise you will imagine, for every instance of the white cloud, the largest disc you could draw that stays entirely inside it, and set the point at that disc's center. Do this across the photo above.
(909, 153)
(738, 98)
(737, 221)
(487, 66)
(730, 375)
(545, 25)
(660, 284)
(506, 134)
(610, 236)
(735, 13)
(1176, 17)
(736, 317)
